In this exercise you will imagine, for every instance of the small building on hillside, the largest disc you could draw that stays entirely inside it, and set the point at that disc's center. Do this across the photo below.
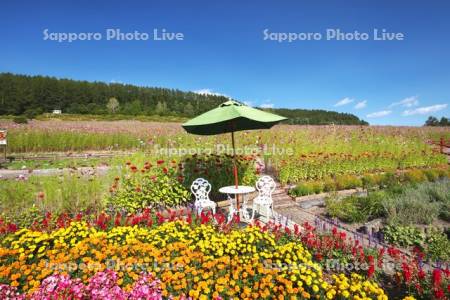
(56, 112)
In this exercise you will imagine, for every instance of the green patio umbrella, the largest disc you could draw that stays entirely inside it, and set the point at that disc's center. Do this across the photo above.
(231, 116)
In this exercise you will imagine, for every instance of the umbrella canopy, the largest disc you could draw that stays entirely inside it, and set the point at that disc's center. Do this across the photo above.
(231, 116)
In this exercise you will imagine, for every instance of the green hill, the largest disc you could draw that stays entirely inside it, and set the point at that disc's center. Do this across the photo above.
(34, 95)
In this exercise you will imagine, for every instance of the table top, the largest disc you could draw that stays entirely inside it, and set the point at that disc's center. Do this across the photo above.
(241, 189)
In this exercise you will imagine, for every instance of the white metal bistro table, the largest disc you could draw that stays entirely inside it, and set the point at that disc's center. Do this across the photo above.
(233, 193)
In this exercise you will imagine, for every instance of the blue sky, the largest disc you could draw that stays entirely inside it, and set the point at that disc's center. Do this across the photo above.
(223, 51)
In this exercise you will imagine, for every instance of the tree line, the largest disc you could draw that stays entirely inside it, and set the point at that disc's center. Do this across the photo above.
(34, 95)
(433, 121)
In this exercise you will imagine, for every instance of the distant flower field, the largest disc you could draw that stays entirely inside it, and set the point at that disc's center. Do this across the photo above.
(297, 153)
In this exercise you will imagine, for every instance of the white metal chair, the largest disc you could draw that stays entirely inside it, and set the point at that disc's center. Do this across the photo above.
(263, 203)
(201, 188)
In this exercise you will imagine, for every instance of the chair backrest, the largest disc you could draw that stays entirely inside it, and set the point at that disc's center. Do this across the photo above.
(265, 186)
(201, 188)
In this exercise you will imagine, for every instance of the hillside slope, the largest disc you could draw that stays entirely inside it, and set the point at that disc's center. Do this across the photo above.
(33, 95)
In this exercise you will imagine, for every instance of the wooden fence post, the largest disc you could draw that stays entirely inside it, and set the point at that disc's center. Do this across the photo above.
(441, 144)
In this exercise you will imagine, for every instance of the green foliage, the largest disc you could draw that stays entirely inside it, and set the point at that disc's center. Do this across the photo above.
(136, 192)
(434, 244)
(23, 200)
(401, 205)
(20, 120)
(317, 117)
(345, 182)
(387, 180)
(302, 189)
(347, 209)
(19, 92)
(432, 174)
(414, 204)
(355, 209)
(113, 105)
(419, 204)
(32, 113)
(48, 141)
(370, 181)
(439, 193)
(437, 246)
(110, 117)
(414, 176)
(312, 187)
(433, 121)
(403, 236)
(329, 185)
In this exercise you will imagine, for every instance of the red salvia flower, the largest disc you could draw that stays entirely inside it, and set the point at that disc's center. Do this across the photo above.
(439, 294)
(437, 277)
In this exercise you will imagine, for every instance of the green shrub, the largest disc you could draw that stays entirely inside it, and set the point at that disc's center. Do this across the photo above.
(372, 204)
(431, 174)
(370, 181)
(344, 182)
(437, 246)
(403, 236)
(32, 113)
(317, 187)
(414, 176)
(137, 192)
(302, 189)
(355, 209)
(443, 173)
(20, 120)
(412, 206)
(439, 192)
(329, 185)
(388, 179)
(347, 209)
(445, 212)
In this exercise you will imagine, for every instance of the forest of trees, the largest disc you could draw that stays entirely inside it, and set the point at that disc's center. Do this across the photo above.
(33, 95)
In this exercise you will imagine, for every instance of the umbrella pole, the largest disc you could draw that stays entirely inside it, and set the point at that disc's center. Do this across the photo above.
(234, 160)
(236, 181)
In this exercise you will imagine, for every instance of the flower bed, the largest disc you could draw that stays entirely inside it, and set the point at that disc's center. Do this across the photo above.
(413, 215)
(101, 286)
(368, 181)
(197, 258)
(191, 260)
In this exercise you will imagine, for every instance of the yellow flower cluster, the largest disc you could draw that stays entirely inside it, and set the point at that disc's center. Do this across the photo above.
(191, 260)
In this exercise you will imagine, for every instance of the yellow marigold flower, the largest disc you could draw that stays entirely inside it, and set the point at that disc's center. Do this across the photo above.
(14, 283)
